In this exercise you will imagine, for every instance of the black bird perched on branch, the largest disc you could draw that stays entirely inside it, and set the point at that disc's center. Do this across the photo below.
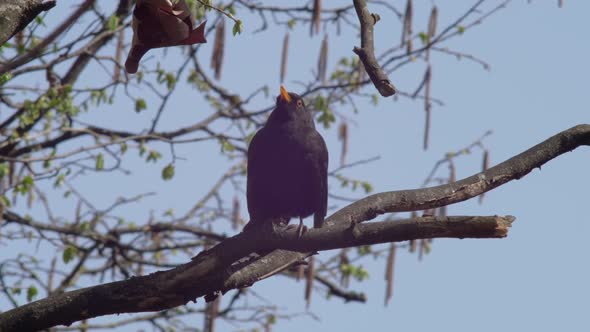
(287, 166)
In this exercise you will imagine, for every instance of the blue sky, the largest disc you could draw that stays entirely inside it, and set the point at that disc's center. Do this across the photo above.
(535, 279)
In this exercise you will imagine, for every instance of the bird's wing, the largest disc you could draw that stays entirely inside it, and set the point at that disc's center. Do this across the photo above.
(322, 161)
(254, 170)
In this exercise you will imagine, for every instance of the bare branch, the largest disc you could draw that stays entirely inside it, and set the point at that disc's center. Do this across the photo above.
(17, 14)
(366, 52)
(434, 197)
(219, 269)
(207, 272)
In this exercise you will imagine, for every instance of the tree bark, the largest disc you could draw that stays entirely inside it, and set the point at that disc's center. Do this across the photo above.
(15, 15)
(218, 269)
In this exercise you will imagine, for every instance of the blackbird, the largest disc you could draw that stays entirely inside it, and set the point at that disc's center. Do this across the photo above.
(287, 166)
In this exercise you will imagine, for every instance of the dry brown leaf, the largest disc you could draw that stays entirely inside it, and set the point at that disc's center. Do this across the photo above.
(432, 21)
(344, 260)
(343, 136)
(118, 54)
(284, 57)
(218, 49)
(427, 105)
(316, 17)
(407, 27)
(309, 282)
(323, 60)
(235, 214)
(389, 273)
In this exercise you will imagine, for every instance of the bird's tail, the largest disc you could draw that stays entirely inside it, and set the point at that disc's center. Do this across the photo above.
(318, 220)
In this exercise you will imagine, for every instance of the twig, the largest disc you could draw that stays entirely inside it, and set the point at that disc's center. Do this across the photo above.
(366, 52)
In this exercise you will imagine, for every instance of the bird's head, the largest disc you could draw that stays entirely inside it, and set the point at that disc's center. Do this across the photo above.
(290, 100)
(290, 107)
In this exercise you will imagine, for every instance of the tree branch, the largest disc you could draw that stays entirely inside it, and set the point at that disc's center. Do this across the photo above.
(36, 51)
(223, 267)
(366, 52)
(17, 14)
(443, 195)
(207, 273)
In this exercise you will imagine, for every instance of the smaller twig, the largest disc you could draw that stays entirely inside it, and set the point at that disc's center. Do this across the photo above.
(366, 52)
(221, 11)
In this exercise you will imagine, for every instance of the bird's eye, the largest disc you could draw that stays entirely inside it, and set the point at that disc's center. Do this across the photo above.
(299, 103)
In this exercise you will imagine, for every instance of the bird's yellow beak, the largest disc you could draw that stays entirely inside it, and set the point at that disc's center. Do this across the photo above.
(285, 95)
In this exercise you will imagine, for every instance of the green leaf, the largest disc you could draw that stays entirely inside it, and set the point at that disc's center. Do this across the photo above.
(170, 81)
(142, 149)
(124, 147)
(461, 29)
(249, 138)
(367, 187)
(5, 78)
(31, 293)
(191, 3)
(364, 250)
(4, 169)
(113, 23)
(272, 319)
(230, 9)
(69, 254)
(99, 162)
(25, 186)
(59, 180)
(427, 247)
(85, 226)
(291, 23)
(153, 156)
(238, 27)
(5, 201)
(168, 172)
(39, 20)
(140, 105)
(424, 37)
(375, 99)
(360, 273)
(326, 118)
(226, 146)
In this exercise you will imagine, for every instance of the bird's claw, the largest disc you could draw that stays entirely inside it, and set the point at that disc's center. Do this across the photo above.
(301, 229)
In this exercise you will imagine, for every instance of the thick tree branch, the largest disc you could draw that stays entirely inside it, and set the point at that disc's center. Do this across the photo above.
(36, 51)
(215, 270)
(433, 197)
(224, 267)
(366, 52)
(17, 14)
